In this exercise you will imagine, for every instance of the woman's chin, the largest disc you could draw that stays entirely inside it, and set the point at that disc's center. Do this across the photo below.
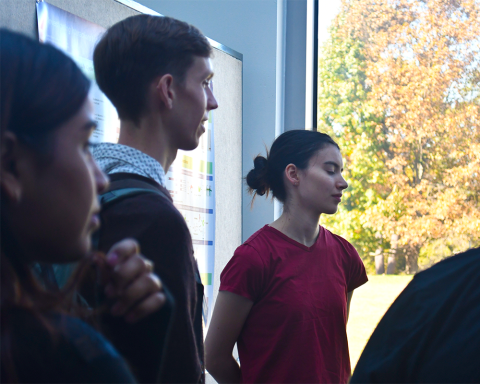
(331, 211)
(80, 252)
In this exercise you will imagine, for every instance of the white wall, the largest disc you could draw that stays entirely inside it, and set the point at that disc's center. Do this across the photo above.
(250, 27)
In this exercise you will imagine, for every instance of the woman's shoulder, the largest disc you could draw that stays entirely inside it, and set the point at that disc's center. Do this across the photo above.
(265, 237)
(57, 347)
(331, 238)
(88, 343)
(253, 253)
(59, 332)
(260, 243)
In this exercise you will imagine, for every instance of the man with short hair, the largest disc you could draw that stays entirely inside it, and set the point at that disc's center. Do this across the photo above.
(156, 71)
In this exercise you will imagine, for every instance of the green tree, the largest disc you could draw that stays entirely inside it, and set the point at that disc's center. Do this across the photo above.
(399, 88)
(344, 113)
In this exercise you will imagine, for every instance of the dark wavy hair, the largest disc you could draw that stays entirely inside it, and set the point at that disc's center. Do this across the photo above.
(292, 147)
(40, 89)
(135, 51)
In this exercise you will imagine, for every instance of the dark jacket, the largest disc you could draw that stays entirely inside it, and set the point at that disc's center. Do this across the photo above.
(57, 348)
(431, 333)
(164, 238)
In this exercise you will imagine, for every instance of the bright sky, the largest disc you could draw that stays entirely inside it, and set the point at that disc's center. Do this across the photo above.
(327, 10)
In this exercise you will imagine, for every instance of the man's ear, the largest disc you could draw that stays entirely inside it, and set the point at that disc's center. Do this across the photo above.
(165, 91)
(291, 172)
(10, 184)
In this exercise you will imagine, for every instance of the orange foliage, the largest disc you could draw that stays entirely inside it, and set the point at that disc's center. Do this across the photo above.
(422, 73)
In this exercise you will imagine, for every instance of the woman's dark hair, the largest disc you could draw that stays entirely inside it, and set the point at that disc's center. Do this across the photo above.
(41, 88)
(292, 147)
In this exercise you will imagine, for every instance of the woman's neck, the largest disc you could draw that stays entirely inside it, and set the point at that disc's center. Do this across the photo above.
(299, 226)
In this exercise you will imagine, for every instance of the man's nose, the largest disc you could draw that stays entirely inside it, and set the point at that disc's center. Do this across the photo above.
(211, 101)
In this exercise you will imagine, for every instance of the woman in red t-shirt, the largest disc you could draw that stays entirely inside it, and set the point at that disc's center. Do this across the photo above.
(284, 295)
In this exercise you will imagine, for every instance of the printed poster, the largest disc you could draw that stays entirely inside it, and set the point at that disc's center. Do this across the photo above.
(190, 180)
(77, 38)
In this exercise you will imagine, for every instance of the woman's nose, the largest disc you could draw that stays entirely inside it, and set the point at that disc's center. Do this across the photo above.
(342, 184)
(101, 179)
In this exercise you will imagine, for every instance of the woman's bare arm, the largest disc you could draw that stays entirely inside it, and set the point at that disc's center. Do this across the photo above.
(228, 318)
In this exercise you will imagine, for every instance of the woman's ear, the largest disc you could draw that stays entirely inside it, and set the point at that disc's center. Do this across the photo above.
(164, 90)
(11, 187)
(291, 173)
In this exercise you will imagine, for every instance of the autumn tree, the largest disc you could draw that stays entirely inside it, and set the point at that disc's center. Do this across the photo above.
(399, 87)
(345, 112)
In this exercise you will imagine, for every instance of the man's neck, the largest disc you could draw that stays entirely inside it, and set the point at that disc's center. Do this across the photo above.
(148, 136)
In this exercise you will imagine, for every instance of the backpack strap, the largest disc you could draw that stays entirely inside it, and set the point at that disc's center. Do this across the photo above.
(116, 195)
(120, 190)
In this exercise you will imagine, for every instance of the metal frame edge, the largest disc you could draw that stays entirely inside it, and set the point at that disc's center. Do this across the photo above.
(142, 9)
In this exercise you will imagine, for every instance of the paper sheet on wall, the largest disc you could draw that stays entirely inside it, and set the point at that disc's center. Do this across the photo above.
(190, 180)
(77, 38)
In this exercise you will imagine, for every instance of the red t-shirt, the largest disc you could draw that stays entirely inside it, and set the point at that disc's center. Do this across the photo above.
(296, 329)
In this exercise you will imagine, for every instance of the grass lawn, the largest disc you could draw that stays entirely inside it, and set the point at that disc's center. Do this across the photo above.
(369, 304)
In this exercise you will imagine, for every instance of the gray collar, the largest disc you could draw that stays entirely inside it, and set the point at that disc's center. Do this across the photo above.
(118, 158)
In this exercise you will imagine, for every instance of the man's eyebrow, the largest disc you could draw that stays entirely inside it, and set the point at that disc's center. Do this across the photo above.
(333, 163)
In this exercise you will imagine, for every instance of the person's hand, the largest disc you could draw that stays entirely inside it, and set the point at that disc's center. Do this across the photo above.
(133, 289)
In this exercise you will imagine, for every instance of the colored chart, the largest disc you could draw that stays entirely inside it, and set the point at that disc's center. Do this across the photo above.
(191, 183)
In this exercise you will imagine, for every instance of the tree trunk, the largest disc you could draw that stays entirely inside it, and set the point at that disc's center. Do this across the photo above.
(392, 254)
(379, 262)
(411, 258)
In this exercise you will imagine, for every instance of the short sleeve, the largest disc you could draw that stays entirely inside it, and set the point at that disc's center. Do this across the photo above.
(356, 274)
(244, 274)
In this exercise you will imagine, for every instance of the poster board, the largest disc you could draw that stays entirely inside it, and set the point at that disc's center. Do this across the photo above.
(20, 15)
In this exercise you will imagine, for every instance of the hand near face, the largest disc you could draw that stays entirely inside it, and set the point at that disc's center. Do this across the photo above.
(133, 289)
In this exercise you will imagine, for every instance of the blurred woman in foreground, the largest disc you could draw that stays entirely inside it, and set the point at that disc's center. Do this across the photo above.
(49, 209)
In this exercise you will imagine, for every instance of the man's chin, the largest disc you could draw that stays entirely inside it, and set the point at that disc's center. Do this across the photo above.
(189, 146)
(192, 143)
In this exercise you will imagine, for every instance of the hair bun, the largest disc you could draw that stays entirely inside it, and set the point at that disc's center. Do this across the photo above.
(260, 163)
(257, 177)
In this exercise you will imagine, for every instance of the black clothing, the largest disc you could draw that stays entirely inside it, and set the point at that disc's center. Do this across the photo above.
(142, 344)
(164, 238)
(69, 352)
(431, 333)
